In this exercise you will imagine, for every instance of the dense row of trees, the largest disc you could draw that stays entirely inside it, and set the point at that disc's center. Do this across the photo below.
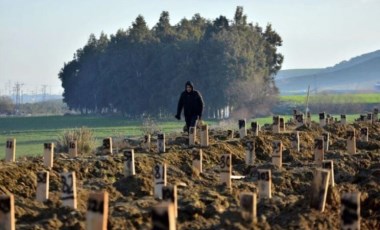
(142, 71)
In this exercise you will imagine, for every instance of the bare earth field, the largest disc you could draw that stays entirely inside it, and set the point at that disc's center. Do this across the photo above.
(203, 202)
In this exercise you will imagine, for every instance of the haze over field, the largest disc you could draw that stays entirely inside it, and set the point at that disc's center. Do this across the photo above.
(39, 36)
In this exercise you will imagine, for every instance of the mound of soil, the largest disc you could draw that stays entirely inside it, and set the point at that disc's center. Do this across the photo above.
(203, 203)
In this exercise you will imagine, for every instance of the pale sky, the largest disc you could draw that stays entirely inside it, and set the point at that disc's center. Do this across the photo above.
(38, 36)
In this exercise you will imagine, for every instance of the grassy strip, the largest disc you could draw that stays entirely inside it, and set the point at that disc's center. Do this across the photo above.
(334, 98)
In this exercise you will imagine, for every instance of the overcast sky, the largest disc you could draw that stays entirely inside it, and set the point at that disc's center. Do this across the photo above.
(38, 36)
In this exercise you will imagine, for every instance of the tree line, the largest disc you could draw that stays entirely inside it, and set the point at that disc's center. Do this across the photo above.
(141, 71)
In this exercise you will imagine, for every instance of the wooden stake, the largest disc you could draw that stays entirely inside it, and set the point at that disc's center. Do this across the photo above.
(276, 124)
(197, 160)
(343, 119)
(42, 193)
(169, 193)
(230, 134)
(255, 128)
(350, 211)
(326, 141)
(265, 183)
(163, 216)
(225, 169)
(10, 150)
(295, 140)
(277, 154)
(322, 119)
(375, 115)
(364, 134)
(299, 120)
(97, 211)
(48, 155)
(369, 118)
(69, 190)
(329, 165)
(161, 143)
(146, 142)
(107, 145)
(318, 151)
(159, 174)
(204, 136)
(351, 141)
(248, 204)
(129, 162)
(282, 125)
(242, 129)
(7, 212)
(250, 154)
(319, 189)
(73, 148)
(192, 136)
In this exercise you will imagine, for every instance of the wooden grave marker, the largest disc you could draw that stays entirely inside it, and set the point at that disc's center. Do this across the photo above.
(163, 216)
(350, 211)
(197, 155)
(265, 183)
(204, 136)
(319, 188)
(73, 148)
(369, 118)
(282, 125)
(7, 212)
(295, 140)
(225, 169)
(255, 128)
(248, 204)
(250, 155)
(322, 119)
(10, 150)
(329, 165)
(169, 194)
(362, 118)
(242, 129)
(308, 118)
(295, 113)
(161, 143)
(69, 190)
(42, 192)
(326, 141)
(299, 120)
(351, 141)
(276, 124)
(97, 211)
(129, 162)
(343, 119)
(277, 153)
(364, 134)
(192, 136)
(107, 145)
(375, 115)
(146, 142)
(318, 151)
(159, 174)
(48, 155)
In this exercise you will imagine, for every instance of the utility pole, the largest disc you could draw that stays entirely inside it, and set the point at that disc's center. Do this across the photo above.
(17, 92)
(44, 87)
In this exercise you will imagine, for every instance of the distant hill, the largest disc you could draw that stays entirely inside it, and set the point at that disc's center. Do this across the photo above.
(357, 74)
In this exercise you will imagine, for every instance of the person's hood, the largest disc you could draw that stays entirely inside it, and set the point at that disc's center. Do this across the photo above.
(189, 83)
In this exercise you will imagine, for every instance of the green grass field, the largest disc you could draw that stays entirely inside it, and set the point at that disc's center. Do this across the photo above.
(32, 132)
(369, 98)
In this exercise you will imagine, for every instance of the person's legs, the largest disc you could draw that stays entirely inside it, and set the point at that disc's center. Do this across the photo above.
(188, 122)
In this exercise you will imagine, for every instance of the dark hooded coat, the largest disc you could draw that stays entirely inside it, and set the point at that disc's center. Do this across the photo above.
(191, 102)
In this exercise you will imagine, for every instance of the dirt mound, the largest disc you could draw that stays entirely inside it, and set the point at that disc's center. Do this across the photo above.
(203, 203)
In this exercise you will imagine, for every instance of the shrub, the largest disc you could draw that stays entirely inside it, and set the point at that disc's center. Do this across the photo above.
(84, 136)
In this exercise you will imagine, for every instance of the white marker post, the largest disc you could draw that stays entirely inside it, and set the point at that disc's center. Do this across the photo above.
(107, 145)
(318, 151)
(308, 118)
(242, 129)
(248, 204)
(97, 211)
(343, 119)
(364, 134)
(369, 118)
(326, 141)
(319, 189)
(163, 216)
(10, 150)
(276, 124)
(42, 193)
(351, 141)
(129, 162)
(255, 128)
(197, 161)
(204, 136)
(225, 169)
(192, 136)
(159, 174)
(282, 125)
(350, 211)
(375, 115)
(73, 148)
(161, 142)
(299, 120)
(169, 194)
(69, 190)
(250, 155)
(265, 183)
(146, 142)
(7, 212)
(295, 140)
(48, 155)
(277, 154)
(322, 119)
(329, 165)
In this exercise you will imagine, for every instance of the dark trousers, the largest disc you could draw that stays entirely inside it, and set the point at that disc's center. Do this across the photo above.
(191, 121)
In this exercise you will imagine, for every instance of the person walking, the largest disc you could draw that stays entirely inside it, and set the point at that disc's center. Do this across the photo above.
(191, 102)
